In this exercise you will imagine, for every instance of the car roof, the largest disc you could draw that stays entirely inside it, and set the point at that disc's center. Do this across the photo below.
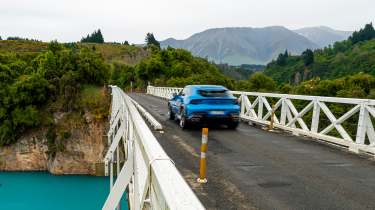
(211, 87)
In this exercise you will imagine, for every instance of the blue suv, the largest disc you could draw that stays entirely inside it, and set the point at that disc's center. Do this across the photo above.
(204, 104)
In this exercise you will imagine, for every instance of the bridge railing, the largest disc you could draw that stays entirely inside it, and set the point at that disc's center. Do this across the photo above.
(163, 92)
(259, 107)
(144, 170)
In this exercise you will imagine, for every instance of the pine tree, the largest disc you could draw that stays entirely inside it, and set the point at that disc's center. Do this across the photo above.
(281, 59)
(99, 37)
(363, 34)
(286, 54)
(150, 40)
(95, 37)
(308, 57)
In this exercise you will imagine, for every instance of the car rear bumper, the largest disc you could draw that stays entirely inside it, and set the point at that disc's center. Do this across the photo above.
(213, 119)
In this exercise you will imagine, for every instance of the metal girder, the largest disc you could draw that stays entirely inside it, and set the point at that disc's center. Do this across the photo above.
(333, 120)
(120, 185)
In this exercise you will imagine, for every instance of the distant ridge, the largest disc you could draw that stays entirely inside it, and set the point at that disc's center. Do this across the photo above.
(245, 45)
(323, 35)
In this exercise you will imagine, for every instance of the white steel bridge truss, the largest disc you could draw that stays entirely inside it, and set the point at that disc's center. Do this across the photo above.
(256, 108)
(148, 175)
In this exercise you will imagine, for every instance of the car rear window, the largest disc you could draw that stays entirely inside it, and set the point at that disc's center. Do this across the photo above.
(213, 93)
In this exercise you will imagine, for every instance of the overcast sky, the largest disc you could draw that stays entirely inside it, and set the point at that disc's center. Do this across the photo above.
(119, 20)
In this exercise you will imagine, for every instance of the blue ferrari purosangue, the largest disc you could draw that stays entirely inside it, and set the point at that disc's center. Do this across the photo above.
(205, 105)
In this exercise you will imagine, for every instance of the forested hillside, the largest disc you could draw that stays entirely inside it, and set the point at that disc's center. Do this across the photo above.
(170, 67)
(33, 86)
(241, 72)
(41, 81)
(111, 52)
(357, 54)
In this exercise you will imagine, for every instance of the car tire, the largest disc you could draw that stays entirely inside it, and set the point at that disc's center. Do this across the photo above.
(171, 114)
(232, 125)
(183, 122)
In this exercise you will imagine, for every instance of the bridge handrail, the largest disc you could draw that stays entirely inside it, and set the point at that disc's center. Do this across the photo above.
(152, 180)
(259, 110)
(147, 115)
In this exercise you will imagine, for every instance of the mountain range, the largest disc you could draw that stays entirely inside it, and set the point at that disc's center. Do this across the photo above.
(322, 35)
(246, 45)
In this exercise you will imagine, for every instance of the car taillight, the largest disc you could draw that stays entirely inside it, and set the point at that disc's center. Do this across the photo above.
(195, 101)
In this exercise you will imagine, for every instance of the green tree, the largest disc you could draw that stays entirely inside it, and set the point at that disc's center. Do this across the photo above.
(54, 46)
(151, 41)
(282, 58)
(30, 83)
(69, 90)
(122, 75)
(286, 88)
(178, 67)
(261, 82)
(7, 132)
(341, 59)
(24, 117)
(91, 67)
(308, 57)
(48, 66)
(95, 37)
(30, 89)
(364, 34)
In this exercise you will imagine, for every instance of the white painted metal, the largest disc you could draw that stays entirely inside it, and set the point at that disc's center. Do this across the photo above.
(259, 111)
(149, 175)
(163, 92)
(148, 116)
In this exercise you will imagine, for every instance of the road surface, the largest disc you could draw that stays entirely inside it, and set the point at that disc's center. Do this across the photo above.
(250, 168)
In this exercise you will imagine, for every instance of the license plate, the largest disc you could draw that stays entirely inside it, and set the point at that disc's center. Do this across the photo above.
(217, 112)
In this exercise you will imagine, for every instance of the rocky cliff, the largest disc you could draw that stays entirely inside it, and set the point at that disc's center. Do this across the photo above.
(82, 151)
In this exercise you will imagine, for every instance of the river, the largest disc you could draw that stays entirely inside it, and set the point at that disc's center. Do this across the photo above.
(43, 191)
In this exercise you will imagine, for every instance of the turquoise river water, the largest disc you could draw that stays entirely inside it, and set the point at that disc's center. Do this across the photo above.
(43, 191)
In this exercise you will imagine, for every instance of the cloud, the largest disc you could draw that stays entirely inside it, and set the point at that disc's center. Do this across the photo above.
(120, 20)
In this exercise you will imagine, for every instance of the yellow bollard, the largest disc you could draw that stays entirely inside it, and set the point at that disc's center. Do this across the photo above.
(272, 118)
(202, 167)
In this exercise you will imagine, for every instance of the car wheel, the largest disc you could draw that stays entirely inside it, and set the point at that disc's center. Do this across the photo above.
(232, 125)
(183, 122)
(171, 114)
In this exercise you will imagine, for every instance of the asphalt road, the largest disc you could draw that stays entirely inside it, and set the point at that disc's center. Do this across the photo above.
(250, 168)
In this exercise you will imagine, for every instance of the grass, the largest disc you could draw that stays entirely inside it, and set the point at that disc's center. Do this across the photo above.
(21, 46)
(125, 54)
(95, 100)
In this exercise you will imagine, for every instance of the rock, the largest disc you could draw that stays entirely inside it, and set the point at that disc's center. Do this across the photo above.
(58, 116)
(82, 154)
(297, 78)
(83, 151)
(28, 154)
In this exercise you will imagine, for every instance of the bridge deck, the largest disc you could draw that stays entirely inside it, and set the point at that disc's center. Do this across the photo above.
(254, 169)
